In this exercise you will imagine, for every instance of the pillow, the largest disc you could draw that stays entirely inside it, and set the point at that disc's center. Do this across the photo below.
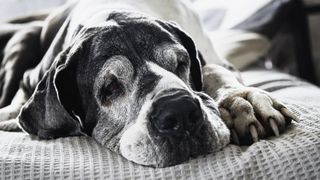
(241, 48)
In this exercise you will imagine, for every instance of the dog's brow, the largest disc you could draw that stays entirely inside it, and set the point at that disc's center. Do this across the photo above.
(120, 65)
(169, 54)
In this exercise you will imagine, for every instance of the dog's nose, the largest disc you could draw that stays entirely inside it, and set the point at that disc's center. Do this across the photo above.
(176, 115)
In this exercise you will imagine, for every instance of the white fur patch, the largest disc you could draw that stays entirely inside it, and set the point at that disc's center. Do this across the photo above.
(168, 79)
(135, 144)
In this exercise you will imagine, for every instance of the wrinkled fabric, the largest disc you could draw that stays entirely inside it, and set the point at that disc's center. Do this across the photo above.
(295, 154)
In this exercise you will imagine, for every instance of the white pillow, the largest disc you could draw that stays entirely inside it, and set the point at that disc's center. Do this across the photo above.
(241, 48)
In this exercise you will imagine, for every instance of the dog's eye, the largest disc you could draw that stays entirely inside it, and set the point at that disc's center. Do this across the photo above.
(182, 58)
(182, 66)
(111, 90)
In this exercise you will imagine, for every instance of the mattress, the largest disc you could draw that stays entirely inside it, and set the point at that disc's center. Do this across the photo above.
(293, 155)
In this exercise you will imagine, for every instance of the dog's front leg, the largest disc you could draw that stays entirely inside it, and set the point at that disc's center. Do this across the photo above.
(249, 113)
(8, 114)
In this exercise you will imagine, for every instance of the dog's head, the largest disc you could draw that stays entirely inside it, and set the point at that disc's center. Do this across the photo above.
(134, 85)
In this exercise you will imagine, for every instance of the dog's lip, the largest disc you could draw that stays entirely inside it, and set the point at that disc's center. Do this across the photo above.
(182, 143)
(183, 152)
(184, 135)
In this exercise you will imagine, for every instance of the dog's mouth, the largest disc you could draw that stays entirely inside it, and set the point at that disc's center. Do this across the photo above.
(159, 151)
(175, 128)
(172, 150)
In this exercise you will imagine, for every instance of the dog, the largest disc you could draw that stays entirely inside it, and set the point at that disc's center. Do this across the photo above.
(141, 77)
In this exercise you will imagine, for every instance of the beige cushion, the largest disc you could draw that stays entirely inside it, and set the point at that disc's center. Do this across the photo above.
(241, 48)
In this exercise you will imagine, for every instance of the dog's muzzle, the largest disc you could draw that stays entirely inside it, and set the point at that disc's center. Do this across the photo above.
(176, 114)
(173, 126)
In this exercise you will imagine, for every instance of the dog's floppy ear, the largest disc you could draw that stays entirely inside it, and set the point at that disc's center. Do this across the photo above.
(189, 45)
(51, 110)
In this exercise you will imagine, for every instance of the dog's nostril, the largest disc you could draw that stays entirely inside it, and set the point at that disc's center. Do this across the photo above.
(195, 116)
(170, 124)
(167, 124)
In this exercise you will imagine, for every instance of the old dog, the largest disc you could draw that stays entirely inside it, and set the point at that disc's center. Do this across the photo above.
(140, 77)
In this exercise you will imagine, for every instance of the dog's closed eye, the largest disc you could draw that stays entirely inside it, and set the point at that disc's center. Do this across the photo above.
(110, 90)
(182, 67)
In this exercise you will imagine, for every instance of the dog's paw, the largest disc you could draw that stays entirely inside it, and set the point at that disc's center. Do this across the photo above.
(8, 112)
(7, 84)
(10, 125)
(252, 114)
(8, 121)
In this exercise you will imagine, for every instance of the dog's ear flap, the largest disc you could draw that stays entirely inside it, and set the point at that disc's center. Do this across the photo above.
(49, 112)
(189, 45)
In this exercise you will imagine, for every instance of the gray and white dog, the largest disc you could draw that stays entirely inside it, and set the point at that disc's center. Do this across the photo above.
(140, 77)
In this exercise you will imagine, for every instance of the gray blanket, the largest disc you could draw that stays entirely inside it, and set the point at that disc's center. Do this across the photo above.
(293, 155)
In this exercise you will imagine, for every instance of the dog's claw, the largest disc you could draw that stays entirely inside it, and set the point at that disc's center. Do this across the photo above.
(254, 133)
(274, 126)
(235, 137)
(289, 114)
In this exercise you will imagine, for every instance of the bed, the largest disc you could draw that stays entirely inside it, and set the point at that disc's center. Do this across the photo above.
(293, 155)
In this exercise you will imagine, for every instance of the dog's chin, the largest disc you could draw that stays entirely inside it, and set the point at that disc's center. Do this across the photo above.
(143, 147)
(136, 146)
(146, 150)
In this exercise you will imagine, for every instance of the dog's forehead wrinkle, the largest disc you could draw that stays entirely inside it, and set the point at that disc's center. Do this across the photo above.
(137, 38)
(144, 32)
(106, 43)
(130, 37)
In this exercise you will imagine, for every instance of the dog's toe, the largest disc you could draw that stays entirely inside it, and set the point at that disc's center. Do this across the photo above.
(8, 121)
(8, 112)
(240, 118)
(252, 114)
(10, 125)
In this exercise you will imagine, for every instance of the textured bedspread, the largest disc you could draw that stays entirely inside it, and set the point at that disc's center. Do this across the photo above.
(293, 155)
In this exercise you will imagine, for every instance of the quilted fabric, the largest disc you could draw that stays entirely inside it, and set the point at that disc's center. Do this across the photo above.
(293, 155)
